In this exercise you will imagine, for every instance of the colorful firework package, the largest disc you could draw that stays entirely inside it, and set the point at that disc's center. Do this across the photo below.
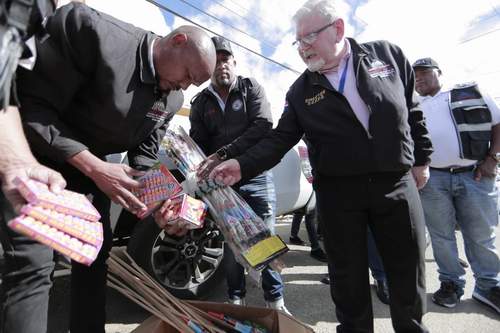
(248, 236)
(187, 211)
(157, 185)
(66, 222)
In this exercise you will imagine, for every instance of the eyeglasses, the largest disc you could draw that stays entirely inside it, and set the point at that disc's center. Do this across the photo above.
(309, 39)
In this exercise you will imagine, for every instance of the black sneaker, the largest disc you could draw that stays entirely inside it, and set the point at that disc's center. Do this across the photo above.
(490, 298)
(448, 295)
(319, 254)
(382, 291)
(296, 240)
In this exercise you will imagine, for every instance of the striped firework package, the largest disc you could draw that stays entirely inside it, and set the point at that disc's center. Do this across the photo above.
(66, 222)
(157, 185)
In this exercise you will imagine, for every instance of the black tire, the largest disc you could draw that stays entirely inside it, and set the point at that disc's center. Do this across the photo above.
(190, 267)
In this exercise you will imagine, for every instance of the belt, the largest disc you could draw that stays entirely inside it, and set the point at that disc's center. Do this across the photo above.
(455, 169)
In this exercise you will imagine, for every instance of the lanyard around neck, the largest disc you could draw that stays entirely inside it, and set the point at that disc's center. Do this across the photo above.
(343, 77)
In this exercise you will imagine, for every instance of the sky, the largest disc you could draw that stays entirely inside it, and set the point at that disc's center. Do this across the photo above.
(463, 36)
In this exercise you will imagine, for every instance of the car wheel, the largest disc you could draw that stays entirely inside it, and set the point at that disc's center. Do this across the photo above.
(189, 266)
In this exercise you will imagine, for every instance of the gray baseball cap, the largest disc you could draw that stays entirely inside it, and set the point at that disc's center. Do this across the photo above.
(222, 44)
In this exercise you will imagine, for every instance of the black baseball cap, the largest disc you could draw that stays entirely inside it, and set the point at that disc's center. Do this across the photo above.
(425, 63)
(222, 44)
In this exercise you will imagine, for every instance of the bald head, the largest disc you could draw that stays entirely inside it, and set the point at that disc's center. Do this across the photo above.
(185, 56)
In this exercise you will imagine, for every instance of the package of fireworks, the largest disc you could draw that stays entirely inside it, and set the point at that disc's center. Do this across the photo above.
(72, 247)
(248, 236)
(157, 185)
(87, 231)
(66, 221)
(186, 211)
(65, 202)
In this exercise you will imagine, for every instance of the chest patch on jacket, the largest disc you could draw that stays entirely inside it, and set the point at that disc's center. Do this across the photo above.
(379, 69)
(158, 111)
(316, 98)
(237, 105)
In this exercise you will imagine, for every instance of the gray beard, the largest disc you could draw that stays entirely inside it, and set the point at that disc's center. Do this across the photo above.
(316, 65)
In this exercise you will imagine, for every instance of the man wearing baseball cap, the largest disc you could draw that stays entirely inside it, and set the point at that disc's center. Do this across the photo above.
(463, 122)
(228, 118)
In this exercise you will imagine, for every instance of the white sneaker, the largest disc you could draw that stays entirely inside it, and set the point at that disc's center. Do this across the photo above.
(278, 305)
(237, 301)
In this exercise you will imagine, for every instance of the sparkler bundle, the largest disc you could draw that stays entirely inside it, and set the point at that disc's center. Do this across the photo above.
(133, 282)
(248, 236)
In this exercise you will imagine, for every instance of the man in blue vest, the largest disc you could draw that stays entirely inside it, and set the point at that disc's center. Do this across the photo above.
(463, 122)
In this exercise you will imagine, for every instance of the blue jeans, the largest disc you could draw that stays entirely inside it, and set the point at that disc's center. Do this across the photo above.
(310, 221)
(449, 199)
(259, 194)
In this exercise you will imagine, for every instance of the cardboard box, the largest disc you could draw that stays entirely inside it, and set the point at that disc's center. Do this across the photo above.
(273, 320)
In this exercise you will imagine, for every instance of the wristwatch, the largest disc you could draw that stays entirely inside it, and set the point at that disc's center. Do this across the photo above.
(495, 156)
(222, 153)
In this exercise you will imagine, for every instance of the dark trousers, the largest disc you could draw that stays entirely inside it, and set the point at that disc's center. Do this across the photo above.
(310, 221)
(374, 260)
(29, 264)
(389, 204)
(260, 195)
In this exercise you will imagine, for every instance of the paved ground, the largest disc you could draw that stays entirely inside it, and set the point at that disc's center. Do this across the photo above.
(306, 298)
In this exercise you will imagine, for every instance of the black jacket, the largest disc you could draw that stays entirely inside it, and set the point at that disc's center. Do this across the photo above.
(245, 120)
(339, 143)
(93, 88)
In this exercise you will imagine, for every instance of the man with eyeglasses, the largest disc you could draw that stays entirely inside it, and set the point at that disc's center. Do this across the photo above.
(369, 153)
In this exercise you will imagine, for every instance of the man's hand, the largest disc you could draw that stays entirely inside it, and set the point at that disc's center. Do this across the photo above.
(33, 171)
(487, 168)
(421, 175)
(206, 167)
(227, 173)
(116, 181)
(162, 216)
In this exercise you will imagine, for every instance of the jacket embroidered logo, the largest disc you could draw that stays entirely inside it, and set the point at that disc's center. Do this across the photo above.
(158, 112)
(315, 99)
(379, 69)
(237, 104)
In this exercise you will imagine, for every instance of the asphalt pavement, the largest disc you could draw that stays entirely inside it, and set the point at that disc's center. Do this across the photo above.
(306, 298)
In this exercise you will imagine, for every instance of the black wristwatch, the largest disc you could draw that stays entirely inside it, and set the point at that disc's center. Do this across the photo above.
(222, 153)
